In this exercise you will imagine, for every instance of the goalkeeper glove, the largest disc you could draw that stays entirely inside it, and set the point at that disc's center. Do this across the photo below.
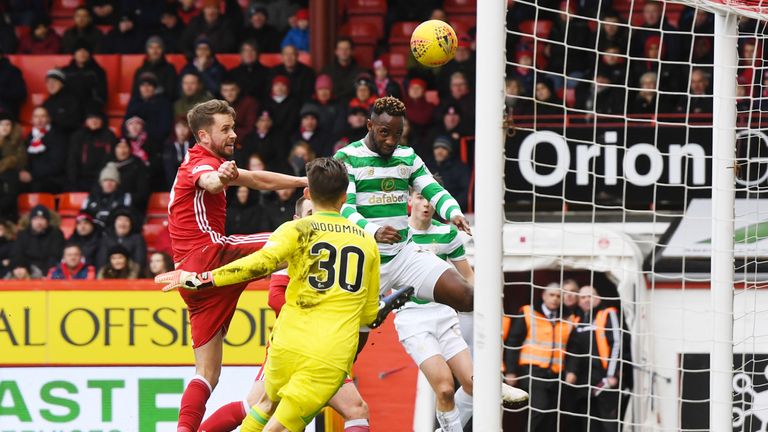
(184, 279)
(390, 303)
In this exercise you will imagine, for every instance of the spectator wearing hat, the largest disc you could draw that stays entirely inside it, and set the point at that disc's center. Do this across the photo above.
(258, 29)
(135, 134)
(265, 140)
(124, 38)
(85, 78)
(72, 266)
(13, 89)
(204, 63)
(211, 25)
(156, 64)
(454, 173)
(134, 174)
(311, 132)
(41, 39)
(106, 196)
(64, 108)
(298, 36)
(21, 270)
(104, 12)
(46, 166)
(301, 76)
(330, 113)
(344, 69)
(171, 30)
(89, 149)
(364, 94)
(463, 61)
(119, 265)
(420, 111)
(12, 158)
(385, 86)
(82, 30)
(451, 126)
(283, 106)
(122, 229)
(192, 93)
(460, 96)
(155, 108)
(176, 148)
(87, 235)
(246, 107)
(40, 244)
(250, 75)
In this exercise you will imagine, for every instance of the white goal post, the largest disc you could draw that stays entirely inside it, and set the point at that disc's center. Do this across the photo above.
(727, 265)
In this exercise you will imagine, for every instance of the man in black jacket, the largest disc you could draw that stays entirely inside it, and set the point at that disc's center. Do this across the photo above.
(46, 156)
(600, 356)
(13, 89)
(311, 132)
(454, 173)
(344, 69)
(106, 196)
(301, 76)
(258, 29)
(89, 149)
(40, 244)
(154, 108)
(250, 74)
(63, 107)
(85, 78)
(87, 235)
(156, 64)
(213, 26)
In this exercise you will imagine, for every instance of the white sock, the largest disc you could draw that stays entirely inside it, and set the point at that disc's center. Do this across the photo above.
(357, 422)
(463, 403)
(449, 420)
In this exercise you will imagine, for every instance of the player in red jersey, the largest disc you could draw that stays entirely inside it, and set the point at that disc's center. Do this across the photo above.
(196, 216)
(347, 401)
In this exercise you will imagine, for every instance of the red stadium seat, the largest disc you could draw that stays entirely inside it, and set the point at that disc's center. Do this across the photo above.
(115, 125)
(364, 55)
(362, 33)
(540, 28)
(22, 31)
(177, 60)
(70, 203)
(229, 61)
(400, 34)
(64, 8)
(128, 65)
(460, 7)
(377, 21)
(34, 68)
(569, 95)
(272, 60)
(151, 232)
(67, 226)
(367, 7)
(158, 205)
(26, 201)
(398, 63)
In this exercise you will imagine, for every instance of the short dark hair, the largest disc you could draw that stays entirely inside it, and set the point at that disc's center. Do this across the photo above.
(345, 39)
(71, 244)
(252, 43)
(327, 178)
(390, 105)
(201, 115)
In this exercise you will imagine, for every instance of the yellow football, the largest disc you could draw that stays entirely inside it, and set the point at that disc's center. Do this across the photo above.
(433, 43)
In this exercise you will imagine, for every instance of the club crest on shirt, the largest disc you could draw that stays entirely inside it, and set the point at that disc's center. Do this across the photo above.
(403, 171)
(388, 184)
(370, 171)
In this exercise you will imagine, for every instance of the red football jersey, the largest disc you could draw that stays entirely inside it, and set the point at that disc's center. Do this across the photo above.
(196, 218)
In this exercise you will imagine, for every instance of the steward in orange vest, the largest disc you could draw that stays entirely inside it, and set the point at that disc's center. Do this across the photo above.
(535, 355)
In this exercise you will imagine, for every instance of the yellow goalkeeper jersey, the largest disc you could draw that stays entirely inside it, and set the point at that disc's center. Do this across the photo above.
(334, 289)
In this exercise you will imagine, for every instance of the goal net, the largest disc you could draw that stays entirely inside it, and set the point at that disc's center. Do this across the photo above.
(635, 230)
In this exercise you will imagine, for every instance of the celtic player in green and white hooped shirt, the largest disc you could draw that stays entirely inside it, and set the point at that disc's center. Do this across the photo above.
(380, 175)
(431, 332)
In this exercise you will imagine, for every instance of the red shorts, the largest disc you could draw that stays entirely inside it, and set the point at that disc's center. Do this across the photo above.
(211, 310)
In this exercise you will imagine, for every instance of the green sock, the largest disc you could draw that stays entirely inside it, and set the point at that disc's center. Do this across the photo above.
(255, 420)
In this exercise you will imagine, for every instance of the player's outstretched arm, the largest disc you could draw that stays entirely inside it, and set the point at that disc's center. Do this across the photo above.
(214, 182)
(267, 180)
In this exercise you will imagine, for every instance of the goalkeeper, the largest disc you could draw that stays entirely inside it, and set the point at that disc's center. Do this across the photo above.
(334, 270)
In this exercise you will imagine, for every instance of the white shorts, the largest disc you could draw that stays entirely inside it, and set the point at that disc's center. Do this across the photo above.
(429, 331)
(416, 267)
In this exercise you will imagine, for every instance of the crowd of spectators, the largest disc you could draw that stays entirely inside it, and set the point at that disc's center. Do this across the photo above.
(660, 64)
(286, 116)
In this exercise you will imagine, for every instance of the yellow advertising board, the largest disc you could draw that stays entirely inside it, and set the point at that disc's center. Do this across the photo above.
(119, 327)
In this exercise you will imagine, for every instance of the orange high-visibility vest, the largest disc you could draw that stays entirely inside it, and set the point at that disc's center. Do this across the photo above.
(603, 350)
(544, 345)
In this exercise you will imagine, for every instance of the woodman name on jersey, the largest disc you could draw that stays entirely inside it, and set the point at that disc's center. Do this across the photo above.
(337, 228)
